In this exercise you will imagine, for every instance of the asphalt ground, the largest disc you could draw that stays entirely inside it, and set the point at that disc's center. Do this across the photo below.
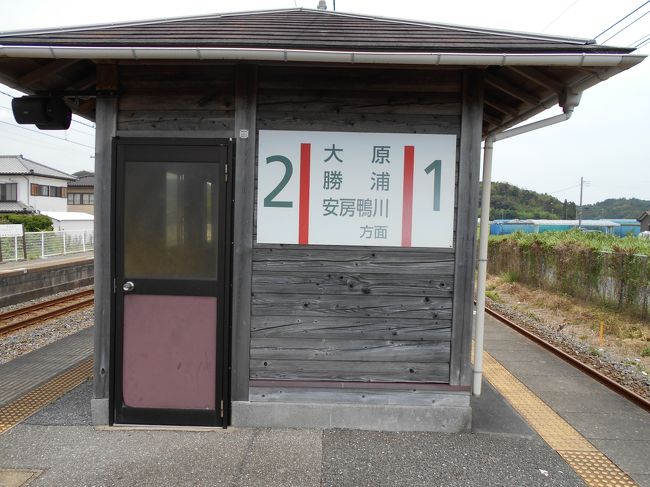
(58, 446)
(64, 449)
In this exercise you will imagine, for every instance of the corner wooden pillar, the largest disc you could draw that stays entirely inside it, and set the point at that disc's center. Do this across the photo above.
(244, 196)
(466, 220)
(106, 123)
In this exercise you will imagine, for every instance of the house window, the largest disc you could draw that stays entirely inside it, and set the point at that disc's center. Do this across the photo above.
(81, 199)
(44, 190)
(9, 192)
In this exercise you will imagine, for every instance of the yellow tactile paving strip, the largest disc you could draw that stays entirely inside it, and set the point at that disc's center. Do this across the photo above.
(35, 400)
(595, 468)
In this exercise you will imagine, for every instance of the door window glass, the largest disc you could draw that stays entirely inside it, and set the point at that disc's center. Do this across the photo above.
(170, 212)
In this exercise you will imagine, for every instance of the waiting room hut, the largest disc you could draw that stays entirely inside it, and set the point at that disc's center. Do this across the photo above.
(286, 206)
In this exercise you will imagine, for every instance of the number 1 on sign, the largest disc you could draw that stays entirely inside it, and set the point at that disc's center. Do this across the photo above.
(437, 167)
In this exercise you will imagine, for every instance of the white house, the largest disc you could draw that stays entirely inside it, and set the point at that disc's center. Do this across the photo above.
(27, 186)
(71, 221)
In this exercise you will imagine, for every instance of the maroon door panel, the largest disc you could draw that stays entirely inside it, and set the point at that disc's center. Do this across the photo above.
(169, 358)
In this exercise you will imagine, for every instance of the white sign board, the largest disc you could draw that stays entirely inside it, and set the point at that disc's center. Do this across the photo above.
(11, 230)
(343, 188)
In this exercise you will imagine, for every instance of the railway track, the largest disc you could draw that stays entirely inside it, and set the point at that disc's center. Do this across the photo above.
(17, 319)
(575, 361)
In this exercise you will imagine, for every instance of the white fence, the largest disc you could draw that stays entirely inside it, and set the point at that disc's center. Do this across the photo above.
(39, 245)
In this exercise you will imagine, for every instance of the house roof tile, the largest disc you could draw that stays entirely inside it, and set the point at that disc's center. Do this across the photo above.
(20, 165)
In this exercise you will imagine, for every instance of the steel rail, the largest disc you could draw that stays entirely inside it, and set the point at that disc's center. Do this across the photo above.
(600, 377)
(34, 313)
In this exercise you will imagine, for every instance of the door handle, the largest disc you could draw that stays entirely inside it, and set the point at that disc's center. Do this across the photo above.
(128, 286)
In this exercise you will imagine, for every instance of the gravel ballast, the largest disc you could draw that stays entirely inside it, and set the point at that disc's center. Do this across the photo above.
(32, 338)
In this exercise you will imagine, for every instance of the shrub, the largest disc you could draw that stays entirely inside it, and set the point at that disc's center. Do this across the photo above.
(33, 223)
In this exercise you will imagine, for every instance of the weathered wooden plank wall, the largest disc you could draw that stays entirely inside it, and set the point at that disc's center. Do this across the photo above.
(177, 98)
(322, 313)
(353, 313)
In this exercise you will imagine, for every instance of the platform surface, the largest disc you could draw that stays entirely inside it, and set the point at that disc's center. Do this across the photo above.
(24, 373)
(63, 448)
(11, 267)
(611, 423)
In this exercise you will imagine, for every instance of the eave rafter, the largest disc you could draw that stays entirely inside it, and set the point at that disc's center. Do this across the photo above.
(537, 76)
(510, 89)
(32, 77)
(502, 107)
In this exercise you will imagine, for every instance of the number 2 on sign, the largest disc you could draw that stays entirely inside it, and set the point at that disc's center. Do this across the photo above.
(288, 171)
(437, 167)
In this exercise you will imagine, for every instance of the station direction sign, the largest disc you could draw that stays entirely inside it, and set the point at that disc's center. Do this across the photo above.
(11, 230)
(344, 188)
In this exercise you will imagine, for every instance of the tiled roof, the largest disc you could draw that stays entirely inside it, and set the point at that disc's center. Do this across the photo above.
(15, 207)
(306, 29)
(20, 165)
(84, 182)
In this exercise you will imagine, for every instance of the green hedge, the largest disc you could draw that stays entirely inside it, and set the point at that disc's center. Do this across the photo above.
(593, 266)
(33, 223)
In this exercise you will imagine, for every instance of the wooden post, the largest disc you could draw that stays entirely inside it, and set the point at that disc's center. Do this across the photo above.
(245, 119)
(466, 221)
(106, 122)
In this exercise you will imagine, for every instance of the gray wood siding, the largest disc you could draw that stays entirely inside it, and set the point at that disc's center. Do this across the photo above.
(177, 98)
(336, 313)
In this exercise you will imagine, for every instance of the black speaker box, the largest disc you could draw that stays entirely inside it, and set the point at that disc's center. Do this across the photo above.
(47, 113)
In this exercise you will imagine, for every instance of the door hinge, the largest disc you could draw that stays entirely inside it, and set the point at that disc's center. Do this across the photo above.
(114, 285)
(222, 408)
(226, 172)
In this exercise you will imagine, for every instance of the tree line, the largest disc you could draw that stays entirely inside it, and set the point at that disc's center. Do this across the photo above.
(509, 201)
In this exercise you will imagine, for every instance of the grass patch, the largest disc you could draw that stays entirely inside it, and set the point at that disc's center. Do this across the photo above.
(493, 295)
(625, 336)
(509, 277)
(594, 352)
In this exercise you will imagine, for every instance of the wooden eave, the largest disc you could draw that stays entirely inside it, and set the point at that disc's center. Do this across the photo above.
(512, 94)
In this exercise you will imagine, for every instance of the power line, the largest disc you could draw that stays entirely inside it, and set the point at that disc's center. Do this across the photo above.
(72, 129)
(48, 135)
(618, 22)
(627, 26)
(560, 16)
(565, 189)
(640, 40)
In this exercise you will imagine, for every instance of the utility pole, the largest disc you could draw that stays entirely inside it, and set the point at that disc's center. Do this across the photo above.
(580, 213)
(583, 182)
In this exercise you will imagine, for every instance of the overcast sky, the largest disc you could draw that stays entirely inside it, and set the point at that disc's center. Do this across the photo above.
(606, 141)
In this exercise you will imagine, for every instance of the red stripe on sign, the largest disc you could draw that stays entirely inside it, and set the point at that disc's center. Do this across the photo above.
(407, 205)
(303, 210)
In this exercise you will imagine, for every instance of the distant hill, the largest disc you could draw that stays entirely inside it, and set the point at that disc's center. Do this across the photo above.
(616, 208)
(510, 201)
